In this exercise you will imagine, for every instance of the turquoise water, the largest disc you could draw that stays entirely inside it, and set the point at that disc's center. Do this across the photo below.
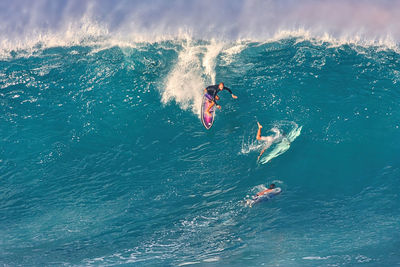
(104, 159)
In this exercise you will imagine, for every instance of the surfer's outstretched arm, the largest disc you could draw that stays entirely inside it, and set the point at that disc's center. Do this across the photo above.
(230, 91)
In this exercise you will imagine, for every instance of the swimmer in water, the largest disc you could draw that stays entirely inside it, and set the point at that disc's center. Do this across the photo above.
(261, 193)
(269, 140)
(260, 196)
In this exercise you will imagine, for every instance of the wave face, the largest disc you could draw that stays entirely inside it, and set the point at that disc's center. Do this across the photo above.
(104, 159)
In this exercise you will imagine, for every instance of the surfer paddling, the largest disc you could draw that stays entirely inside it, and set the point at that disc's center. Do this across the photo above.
(265, 194)
(269, 140)
(213, 91)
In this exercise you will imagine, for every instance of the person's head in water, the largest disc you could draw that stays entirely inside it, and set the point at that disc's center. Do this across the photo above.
(272, 186)
(221, 86)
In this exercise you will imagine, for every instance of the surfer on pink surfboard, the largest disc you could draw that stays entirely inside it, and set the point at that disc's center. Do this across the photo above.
(212, 91)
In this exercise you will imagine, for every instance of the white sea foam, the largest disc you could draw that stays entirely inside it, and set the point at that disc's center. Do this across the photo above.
(97, 36)
(184, 83)
(37, 24)
(188, 263)
(209, 60)
(316, 258)
(193, 71)
(250, 146)
(230, 51)
(213, 259)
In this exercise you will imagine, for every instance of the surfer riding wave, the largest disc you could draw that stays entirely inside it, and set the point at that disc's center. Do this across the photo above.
(213, 91)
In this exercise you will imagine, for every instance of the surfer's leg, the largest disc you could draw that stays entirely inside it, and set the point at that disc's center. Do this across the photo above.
(209, 107)
(258, 137)
(268, 143)
(262, 152)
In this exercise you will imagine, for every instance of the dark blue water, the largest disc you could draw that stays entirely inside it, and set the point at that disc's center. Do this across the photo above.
(104, 160)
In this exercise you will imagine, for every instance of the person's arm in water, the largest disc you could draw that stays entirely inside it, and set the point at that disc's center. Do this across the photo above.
(230, 91)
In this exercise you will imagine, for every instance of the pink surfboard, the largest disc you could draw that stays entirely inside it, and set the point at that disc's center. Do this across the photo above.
(207, 119)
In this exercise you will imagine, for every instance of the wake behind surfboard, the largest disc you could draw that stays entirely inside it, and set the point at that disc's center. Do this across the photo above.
(207, 119)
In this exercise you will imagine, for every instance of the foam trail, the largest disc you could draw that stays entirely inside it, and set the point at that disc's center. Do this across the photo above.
(184, 83)
(209, 61)
(194, 70)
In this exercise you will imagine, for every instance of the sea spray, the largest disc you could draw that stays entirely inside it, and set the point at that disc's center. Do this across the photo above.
(193, 71)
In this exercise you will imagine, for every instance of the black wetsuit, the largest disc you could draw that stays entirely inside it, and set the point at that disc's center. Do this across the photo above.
(213, 90)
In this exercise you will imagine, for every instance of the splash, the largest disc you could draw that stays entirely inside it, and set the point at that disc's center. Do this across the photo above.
(278, 146)
(28, 25)
(282, 146)
(250, 146)
(193, 71)
(209, 60)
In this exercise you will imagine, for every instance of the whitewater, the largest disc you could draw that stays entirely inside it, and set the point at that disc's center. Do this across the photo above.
(104, 160)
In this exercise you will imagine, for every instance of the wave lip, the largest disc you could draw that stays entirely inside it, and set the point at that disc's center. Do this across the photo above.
(28, 25)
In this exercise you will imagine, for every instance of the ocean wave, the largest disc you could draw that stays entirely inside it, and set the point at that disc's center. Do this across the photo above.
(34, 46)
(32, 26)
(104, 160)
